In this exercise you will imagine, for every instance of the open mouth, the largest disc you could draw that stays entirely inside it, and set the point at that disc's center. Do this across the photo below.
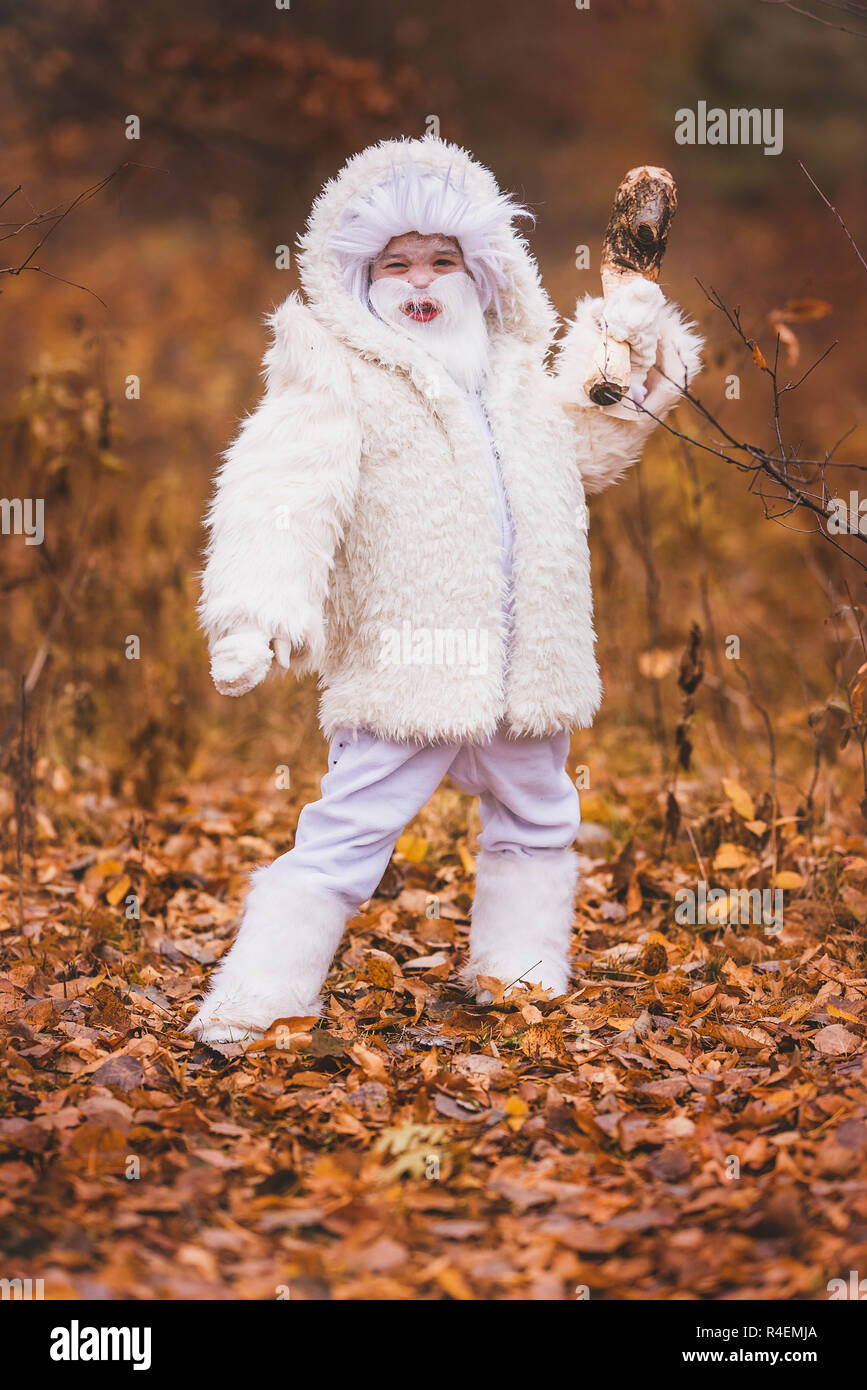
(421, 310)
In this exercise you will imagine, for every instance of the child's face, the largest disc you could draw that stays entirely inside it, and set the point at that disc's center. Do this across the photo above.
(419, 261)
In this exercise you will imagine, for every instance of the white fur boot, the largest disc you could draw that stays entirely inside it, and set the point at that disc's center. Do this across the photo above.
(278, 963)
(522, 920)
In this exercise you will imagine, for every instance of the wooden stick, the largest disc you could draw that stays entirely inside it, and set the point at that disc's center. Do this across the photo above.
(634, 245)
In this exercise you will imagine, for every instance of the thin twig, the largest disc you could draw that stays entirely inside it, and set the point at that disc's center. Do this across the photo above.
(830, 205)
(817, 19)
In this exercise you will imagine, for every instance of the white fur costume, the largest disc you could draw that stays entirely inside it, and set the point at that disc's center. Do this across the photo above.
(357, 496)
(358, 500)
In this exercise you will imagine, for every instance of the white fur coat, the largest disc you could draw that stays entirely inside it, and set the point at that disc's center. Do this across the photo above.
(358, 498)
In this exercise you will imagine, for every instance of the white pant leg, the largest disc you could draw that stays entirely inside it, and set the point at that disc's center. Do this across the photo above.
(526, 874)
(297, 908)
(527, 800)
(372, 789)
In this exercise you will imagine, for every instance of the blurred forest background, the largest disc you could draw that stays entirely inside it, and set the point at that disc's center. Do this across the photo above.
(244, 111)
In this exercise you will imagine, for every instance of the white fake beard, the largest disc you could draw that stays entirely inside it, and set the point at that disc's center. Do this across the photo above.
(457, 337)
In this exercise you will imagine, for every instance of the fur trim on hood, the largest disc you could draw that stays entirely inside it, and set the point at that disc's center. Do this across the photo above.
(525, 309)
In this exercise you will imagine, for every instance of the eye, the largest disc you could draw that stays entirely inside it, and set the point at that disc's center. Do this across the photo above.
(445, 260)
(395, 265)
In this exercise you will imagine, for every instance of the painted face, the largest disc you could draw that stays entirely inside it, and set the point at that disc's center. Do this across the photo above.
(419, 261)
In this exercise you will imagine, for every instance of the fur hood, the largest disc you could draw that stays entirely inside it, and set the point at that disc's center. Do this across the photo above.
(526, 311)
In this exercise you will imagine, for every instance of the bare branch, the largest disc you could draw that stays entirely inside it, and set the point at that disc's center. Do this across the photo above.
(836, 214)
(797, 484)
(826, 23)
(54, 216)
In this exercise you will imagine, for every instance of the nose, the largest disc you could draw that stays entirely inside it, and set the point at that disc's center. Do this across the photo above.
(420, 277)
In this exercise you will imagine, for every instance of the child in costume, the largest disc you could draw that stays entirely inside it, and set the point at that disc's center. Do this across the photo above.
(404, 513)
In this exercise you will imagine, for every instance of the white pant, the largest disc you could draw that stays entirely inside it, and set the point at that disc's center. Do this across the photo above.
(374, 787)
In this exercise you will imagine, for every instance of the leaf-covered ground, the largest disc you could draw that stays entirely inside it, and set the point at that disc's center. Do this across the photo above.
(691, 1122)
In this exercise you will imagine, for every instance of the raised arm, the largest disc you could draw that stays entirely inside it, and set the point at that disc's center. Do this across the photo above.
(666, 355)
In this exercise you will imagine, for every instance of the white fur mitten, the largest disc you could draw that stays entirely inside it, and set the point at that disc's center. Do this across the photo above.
(632, 314)
(240, 661)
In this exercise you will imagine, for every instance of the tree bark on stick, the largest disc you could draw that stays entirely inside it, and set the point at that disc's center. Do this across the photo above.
(633, 246)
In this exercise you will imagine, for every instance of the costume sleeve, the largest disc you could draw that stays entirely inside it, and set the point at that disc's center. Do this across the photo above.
(284, 494)
(609, 439)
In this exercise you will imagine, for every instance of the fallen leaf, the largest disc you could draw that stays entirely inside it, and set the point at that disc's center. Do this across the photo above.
(730, 856)
(741, 800)
(834, 1040)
